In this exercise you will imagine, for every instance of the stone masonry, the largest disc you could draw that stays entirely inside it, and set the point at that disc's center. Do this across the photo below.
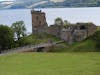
(39, 23)
(74, 32)
(78, 32)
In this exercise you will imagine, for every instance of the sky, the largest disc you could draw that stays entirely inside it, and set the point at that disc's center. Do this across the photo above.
(51, 0)
(6, 0)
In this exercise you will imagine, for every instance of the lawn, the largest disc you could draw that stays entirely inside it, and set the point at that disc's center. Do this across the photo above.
(50, 64)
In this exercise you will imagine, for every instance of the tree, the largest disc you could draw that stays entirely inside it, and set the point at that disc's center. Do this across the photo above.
(66, 24)
(19, 29)
(58, 21)
(6, 37)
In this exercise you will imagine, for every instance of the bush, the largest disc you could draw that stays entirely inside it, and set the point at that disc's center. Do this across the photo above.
(96, 38)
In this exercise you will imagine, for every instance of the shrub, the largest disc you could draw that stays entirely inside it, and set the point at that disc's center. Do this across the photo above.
(96, 38)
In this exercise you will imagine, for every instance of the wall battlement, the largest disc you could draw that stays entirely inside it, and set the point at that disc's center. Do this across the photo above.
(37, 12)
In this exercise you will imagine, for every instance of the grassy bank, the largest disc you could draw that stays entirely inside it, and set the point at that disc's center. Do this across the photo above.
(98, 28)
(38, 38)
(87, 45)
(50, 64)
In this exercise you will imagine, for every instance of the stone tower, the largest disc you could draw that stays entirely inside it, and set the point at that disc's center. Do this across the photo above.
(39, 23)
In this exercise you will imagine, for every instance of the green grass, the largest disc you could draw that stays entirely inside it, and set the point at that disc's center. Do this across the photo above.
(40, 38)
(98, 28)
(87, 45)
(50, 64)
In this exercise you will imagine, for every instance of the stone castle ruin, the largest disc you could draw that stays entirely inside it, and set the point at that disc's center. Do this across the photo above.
(71, 33)
(78, 32)
(39, 23)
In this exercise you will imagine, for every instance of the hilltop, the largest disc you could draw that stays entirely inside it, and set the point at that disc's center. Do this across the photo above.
(87, 45)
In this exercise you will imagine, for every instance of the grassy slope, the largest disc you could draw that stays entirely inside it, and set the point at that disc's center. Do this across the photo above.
(98, 28)
(50, 64)
(86, 45)
(83, 46)
(42, 38)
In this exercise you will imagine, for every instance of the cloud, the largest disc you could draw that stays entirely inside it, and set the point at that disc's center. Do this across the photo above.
(6, 0)
(57, 0)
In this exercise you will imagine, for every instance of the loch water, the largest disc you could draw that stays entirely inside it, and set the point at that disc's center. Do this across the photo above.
(73, 15)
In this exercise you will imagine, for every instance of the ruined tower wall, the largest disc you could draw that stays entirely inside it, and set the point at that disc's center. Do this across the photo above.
(38, 19)
(91, 29)
(39, 23)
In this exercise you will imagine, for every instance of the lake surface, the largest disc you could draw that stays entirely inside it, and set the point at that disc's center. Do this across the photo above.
(73, 15)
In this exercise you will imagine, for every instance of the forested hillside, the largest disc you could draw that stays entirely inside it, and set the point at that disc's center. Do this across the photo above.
(20, 4)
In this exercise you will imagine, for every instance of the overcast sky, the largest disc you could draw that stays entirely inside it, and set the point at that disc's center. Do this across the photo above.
(6, 0)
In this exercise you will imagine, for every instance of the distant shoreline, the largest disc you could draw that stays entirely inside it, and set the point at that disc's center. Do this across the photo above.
(53, 8)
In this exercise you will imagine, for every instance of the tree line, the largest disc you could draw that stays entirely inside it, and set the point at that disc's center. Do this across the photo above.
(10, 36)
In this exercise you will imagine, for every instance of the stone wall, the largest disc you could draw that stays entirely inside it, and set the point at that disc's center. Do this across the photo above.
(78, 32)
(79, 35)
(54, 30)
(66, 35)
(91, 29)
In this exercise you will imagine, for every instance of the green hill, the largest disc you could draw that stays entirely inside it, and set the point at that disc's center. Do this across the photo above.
(37, 39)
(87, 45)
